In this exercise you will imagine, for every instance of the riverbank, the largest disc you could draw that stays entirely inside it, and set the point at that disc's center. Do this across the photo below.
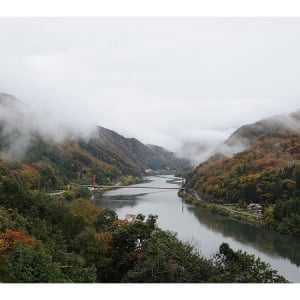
(231, 212)
(204, 229)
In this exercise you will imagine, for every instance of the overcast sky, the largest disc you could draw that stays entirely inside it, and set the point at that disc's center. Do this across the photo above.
(165, 81)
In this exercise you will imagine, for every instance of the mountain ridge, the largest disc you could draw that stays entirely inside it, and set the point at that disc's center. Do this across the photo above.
(104, 153)
(266, 172)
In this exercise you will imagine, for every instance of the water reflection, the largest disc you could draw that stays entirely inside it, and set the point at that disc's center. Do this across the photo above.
(119, 201)
(267, 241)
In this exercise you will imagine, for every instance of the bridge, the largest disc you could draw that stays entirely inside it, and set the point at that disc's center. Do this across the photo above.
(127, 187)
(97, 186)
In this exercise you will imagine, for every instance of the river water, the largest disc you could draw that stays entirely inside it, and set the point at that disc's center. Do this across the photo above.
(205, 230)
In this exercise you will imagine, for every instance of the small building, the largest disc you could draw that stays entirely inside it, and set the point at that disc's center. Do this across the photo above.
(255, 208)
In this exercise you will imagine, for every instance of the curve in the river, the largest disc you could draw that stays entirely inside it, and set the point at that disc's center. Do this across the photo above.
(204, 229)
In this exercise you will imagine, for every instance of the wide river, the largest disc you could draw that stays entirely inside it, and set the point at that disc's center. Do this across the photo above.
(205, 230)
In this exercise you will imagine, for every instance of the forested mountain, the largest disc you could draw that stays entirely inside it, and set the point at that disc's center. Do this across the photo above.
(144, 156)
(50, 161)
(266, 172)
(273, 127)
(169, 157)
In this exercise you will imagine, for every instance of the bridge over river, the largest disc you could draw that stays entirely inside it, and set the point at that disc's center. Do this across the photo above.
(97, 186)
(127, 187)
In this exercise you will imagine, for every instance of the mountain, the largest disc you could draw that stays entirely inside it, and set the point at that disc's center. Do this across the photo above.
(144, 156)
(7, 100)
(170, 158)
(51, 161)
(276, 126)
(266, 172)
(269, 144)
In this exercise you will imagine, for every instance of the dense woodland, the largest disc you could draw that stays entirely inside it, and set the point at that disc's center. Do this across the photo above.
(67, 239)
(267, 172)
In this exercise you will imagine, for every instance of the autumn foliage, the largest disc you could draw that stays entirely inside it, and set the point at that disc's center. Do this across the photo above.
(10, 239)
(267, 172)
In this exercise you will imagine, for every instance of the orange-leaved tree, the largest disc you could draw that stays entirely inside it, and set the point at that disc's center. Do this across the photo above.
(11, 238)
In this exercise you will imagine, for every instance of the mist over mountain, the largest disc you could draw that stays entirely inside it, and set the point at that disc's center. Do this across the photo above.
(177, 84)
(269, 127)
(171, 158)
(242, 138)
(266, 171)
(16, 125)
(198, 152)
(20, 123)
(256, 136)
(31, 138)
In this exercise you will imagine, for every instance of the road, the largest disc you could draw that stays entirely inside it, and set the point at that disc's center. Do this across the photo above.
(55, 193)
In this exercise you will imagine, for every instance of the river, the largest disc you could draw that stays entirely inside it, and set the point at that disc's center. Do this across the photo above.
(205, 230)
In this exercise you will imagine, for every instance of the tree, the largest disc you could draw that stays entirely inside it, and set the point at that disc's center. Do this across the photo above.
(72, 225)
(290, 224)
(14, 195)
(32, 265)
(249, 192)
(76, 270)
(166, 259)
(27, 176)
(297, 177)
(48, 178)
(238, 266)
(11, 239)
(125, 240)
(105, 219)
(269, 216)
(85, 208)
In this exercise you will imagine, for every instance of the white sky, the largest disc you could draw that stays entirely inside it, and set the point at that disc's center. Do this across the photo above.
(165, 81)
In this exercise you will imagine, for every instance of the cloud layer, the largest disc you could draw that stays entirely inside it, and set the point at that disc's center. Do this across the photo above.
(172, 82)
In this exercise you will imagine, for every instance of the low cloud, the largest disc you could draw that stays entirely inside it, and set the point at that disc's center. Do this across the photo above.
(19, 124)
(181, 83)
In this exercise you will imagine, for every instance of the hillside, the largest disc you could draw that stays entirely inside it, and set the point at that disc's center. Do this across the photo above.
(273, 127)
(266, 172)
(144, 156)
(52, 161)
(169, 158)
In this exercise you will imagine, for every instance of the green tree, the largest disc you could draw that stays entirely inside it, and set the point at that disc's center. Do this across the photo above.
(32, 265)
(240, 267)
(72, 225)
(85, 208)
(249, 192)
(290, 224)
(105, 219)
(76, 270)
(166, 259)
(269, 216)
(14, 195)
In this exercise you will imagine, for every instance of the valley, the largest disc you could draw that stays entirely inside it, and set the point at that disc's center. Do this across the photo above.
(47, 214)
